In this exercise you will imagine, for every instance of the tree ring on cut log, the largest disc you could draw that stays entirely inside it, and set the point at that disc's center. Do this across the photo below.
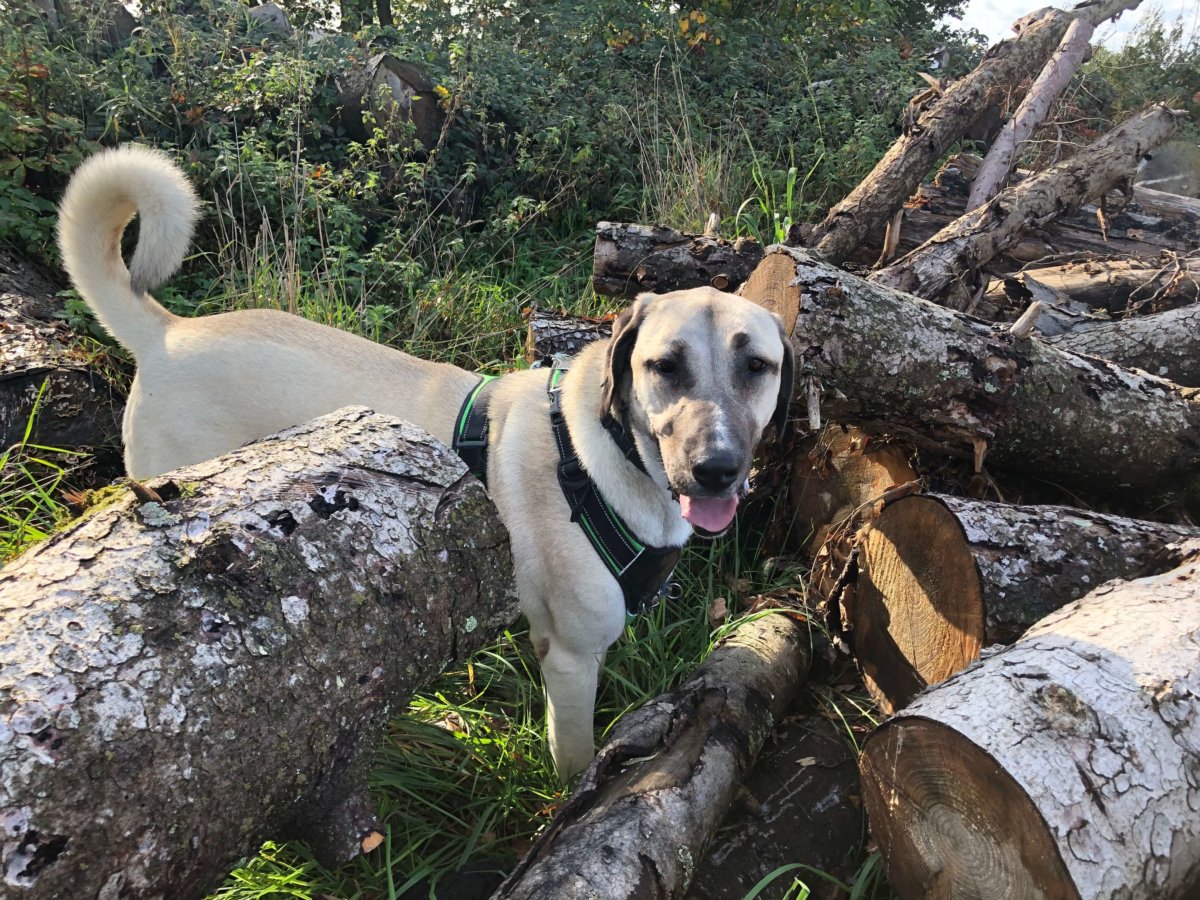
(944, 791)
(918, 612)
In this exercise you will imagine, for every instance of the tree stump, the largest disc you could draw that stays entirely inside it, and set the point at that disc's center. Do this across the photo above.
(189, 673)
(390, 91)
(1066, 766)
(939, 578)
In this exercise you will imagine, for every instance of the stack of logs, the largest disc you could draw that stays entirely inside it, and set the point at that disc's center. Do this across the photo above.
(1040, 660)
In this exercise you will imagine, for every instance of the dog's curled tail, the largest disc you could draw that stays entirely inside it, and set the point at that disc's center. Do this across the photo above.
(104, 194)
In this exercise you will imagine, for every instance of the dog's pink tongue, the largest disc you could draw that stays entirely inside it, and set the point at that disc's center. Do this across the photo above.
(710, 513)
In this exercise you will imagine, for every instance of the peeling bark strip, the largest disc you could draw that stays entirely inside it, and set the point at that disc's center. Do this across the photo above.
(181, 680)
(1067, 765)
(967, 243)
(1166, 343)
(630, 259)
(889, 362)
(911, 158)
(941, 577)
(637, 824)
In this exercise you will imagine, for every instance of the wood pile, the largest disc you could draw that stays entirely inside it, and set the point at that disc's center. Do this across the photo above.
(1032, 339)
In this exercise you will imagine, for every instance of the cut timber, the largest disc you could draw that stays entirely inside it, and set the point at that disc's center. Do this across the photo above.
(947, 118)
(1151, 222)
(180, 680)
(1066, 766)
(838, 479)
(657, 791)
(629, 259)
(1166, 343)
(1111, 285)
(1045, 90)
(40, 357)
(389, 91)
(941, 577)
(556, 335)
(893, 364)
(959, 249)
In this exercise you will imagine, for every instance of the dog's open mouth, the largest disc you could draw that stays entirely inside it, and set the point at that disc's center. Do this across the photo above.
(709, 516)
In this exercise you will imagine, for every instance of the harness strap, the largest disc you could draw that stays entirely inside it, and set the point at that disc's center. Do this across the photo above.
(471, 428)
(643, 572)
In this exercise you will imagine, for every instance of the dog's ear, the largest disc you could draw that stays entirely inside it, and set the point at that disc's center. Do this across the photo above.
(620, 350)
(787, 386)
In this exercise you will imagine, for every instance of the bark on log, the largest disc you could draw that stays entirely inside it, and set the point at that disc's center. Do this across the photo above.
(798, 807)
(1144, 226)
(897, 175)
(1115, 286)
(181, 679)
(78, 407)
(629, 259)
(555, 335)
(391, 91)
(1045, 90)
(939, 578)
(658, 790)
(891, 363)
(1067, 765)
(1165, 344)
(963, 246)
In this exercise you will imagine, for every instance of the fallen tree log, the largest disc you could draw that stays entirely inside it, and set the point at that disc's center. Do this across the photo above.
(1001, 157)
(183, 677)
(879, 358)
(935, 130)
(42, 366)
(670, 770)
(961, 248)
(557, 335)
(1067, 765)
(940, 577)
(1165, 344)
(629, 259)
(1147, 224)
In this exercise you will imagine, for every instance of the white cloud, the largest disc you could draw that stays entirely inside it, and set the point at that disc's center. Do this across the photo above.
(995, 19)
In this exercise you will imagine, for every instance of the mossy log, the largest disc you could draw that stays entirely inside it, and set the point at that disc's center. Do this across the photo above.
(962, 247)
(183, 677)
(892, 363)
(1066, 766)
(630, 259)
(947, 117)
(638, 822)
(43, 366)
(939, 578)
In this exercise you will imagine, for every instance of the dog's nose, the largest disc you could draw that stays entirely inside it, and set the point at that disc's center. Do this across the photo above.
(717, 472)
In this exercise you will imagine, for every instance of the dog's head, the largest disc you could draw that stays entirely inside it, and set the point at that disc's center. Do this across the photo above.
(702, 373)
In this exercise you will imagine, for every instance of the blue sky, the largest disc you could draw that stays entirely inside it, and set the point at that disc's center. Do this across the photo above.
(995, 19)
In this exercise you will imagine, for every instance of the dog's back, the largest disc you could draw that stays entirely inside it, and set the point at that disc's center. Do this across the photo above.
(207, 385)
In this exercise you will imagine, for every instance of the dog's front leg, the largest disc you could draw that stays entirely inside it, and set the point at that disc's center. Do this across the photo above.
(570, 676)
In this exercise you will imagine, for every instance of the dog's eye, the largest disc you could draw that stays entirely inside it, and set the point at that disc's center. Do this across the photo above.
(665, 366)
(757, 364)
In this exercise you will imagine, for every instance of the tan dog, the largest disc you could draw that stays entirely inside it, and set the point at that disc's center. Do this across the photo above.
(695, 376)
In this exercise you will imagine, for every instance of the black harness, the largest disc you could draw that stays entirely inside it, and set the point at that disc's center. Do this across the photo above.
(643, 572)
